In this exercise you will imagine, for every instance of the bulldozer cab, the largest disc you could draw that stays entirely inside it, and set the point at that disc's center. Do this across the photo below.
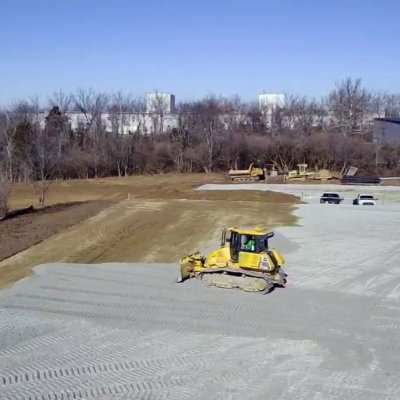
(249, 241)
(302, 169)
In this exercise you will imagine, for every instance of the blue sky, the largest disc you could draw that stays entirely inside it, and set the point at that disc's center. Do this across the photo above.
(196, 47)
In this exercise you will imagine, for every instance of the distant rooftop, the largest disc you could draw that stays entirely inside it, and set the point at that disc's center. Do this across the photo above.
(266, 92)
(386, 119)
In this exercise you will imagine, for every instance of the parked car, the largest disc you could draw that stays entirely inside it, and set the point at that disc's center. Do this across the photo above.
(365, 200)
(330, 198)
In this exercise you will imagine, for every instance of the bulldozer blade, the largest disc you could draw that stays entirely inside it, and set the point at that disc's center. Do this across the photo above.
(186, 270)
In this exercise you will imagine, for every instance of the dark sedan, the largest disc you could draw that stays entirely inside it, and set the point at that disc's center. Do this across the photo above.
(330, 198)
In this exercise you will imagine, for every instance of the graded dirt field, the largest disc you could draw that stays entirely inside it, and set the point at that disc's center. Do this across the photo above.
(168, 186)
(135, 219)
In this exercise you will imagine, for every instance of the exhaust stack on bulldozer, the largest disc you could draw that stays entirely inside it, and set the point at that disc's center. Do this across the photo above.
(244, 260)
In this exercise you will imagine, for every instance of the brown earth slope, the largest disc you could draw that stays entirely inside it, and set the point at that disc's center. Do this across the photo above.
(23, 231)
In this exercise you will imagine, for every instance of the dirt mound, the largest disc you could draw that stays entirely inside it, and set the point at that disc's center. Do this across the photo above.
(24, 228)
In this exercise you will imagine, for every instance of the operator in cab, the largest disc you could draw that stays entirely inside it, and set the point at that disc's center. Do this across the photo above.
(250, 244)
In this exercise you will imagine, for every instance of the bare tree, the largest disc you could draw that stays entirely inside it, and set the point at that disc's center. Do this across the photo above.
(210, 134)
(6, 144)
(83, 102)
(16, 124)
(233, 113)
(93, 106)
(321, 115)
(378, 104)
(286, 152)
(182, 136)
(5, 192)
(120, 144)
(120, 108)
(45, 155)
(61, 100)
(271, 111)
(254, 119)
(140, 115)
(349, 103)
(392, 105)
(207, 124)
(158, 106)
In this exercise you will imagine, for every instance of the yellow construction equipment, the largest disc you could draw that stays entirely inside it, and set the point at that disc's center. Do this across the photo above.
(244, 260)
(299, 174)
(252, 174)
(321, 175)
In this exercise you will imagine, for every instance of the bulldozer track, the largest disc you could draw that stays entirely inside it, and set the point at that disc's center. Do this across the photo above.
(245, 274)
(111, 348)
(145, 389)
(125, 371)
(126, 294)
(244, 180)
(179, 319)
(142, 367)
(125, 282)
(45, 341)
(140, 370)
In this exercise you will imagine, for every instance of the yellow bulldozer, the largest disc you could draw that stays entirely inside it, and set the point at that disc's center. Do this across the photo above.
(297, 174)
(253, 174)
(302, 174)
(244, 260)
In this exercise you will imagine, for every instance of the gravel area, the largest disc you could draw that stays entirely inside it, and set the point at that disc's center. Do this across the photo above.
(114, 331)
(312, 192)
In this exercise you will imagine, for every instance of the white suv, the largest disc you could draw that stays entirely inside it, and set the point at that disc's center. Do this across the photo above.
(364, 200)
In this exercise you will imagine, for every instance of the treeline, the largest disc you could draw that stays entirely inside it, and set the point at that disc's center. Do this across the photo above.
(212, 134)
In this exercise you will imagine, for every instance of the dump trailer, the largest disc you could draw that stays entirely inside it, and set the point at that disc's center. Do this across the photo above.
(244, 261)
(360, 180)
(252, 174)
(350, 178)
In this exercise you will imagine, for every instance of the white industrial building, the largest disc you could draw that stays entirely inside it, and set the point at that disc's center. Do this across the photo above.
(159, 115)
(126, 122)
(158, 102)
(267, 102)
